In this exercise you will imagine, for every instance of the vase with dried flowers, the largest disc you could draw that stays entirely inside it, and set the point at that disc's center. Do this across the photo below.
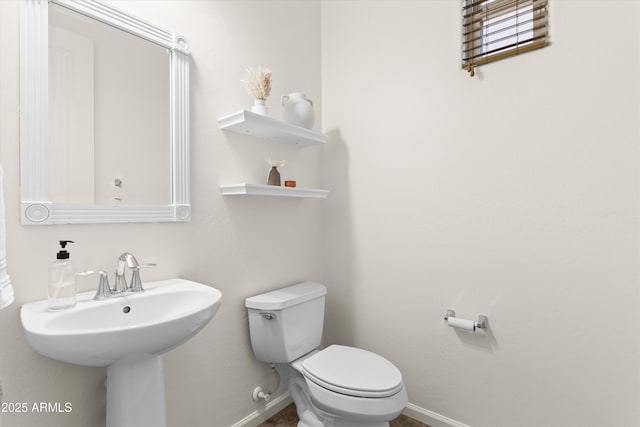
(274, 174)
(258, 83)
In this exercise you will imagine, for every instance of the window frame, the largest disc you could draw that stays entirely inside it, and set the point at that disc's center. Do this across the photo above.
(527, 20)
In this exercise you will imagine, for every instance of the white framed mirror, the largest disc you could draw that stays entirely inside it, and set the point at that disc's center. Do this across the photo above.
(103, 139)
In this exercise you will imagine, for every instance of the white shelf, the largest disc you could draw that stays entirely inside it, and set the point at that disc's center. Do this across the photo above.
(248, 123)
(271, 190)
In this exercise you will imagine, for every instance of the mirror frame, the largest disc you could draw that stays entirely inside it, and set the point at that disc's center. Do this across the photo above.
(36, 207)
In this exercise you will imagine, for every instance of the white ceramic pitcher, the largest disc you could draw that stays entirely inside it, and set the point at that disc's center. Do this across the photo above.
(297, 110)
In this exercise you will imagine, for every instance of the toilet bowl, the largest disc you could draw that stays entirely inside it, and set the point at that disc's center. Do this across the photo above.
(338, 386)
(350, 386)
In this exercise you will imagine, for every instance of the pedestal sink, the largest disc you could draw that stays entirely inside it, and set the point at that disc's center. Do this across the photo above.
(128, 334)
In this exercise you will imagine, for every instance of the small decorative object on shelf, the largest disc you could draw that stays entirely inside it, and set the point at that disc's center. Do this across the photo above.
(274, 175)
(290, 183)
(258, 84)
(297, 110)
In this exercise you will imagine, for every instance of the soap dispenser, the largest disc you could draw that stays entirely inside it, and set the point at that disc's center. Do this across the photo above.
(62, 280)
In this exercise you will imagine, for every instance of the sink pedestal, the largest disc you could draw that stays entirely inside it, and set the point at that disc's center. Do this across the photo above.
(135, 394)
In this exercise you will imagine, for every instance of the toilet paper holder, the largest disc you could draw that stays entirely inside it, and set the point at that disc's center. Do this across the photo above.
(481, 323)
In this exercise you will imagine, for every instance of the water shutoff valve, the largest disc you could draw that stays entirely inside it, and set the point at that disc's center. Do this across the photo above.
(259, 394)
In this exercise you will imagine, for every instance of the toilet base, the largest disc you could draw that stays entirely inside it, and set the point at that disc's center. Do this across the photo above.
(347, 424)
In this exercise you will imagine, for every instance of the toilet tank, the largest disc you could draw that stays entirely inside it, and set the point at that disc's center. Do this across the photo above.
(286, 323)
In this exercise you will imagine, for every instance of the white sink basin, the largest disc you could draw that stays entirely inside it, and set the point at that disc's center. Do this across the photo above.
(128, 334)
(131, 327)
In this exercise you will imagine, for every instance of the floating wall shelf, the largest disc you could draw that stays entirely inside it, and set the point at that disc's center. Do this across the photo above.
(271, 190)
(248, 123)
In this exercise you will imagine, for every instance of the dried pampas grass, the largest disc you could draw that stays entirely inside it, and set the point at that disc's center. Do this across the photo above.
(275, 163)
(258, 82)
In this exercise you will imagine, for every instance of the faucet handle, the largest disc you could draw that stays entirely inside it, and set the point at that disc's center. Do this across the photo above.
(104, 290)
(136, 283)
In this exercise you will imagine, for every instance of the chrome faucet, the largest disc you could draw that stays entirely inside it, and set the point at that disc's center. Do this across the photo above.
(104, 290)
(130, 261)
(121, 282)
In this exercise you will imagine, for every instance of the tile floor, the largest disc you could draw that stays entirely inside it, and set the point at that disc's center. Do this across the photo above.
(288, 418)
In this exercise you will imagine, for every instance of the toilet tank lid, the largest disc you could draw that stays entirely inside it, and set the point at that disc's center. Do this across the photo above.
(287, 297)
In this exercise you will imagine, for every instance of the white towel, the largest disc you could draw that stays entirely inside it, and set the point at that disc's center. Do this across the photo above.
(6, 290)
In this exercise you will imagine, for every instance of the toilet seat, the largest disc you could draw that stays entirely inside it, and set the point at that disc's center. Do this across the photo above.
(353, 372)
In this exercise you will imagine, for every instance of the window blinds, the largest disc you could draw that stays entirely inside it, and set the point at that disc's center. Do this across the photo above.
(495, 29)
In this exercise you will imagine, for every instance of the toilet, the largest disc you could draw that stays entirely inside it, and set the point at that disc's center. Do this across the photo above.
(338, 386)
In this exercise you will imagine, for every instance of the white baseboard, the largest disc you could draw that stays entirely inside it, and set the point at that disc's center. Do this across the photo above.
(429, 417)
(261, 415)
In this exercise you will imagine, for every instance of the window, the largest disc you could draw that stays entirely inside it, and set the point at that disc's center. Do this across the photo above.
(495, 29)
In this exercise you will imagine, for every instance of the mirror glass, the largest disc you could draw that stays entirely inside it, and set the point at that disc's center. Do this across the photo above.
(109, 114)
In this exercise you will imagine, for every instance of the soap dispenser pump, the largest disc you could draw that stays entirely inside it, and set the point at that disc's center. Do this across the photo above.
(62, 280)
